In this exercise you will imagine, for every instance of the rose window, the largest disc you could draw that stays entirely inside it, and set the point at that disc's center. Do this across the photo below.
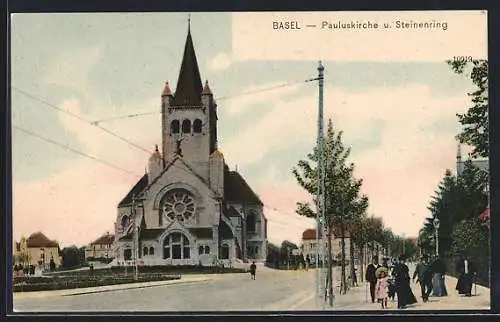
(178, 204)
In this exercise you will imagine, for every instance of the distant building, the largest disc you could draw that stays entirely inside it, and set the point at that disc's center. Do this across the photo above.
(483, 164)
(37, 250)
(101, 248)
(309, 245)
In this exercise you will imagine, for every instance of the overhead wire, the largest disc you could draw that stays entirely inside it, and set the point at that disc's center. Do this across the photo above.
(96, 124)
(270, 88)
(74, 150)
(81, 119)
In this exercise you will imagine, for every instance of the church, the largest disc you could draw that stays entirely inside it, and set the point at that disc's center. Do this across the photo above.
(189, 208)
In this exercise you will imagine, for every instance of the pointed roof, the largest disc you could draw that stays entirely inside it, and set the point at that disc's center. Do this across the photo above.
(189, 86)
(206, 89)
(156, 154)
(166, 90)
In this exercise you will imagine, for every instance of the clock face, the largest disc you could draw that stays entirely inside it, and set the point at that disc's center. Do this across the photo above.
(178, 204)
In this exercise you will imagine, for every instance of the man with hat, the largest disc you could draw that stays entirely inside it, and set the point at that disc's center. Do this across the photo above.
(371, 277)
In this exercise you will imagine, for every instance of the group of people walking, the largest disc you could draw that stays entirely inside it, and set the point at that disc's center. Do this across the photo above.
(384, 285)
(388, 282)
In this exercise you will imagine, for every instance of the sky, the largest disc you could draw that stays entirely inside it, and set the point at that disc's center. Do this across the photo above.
(399, 118)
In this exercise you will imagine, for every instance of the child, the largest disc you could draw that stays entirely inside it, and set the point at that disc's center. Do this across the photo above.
(381, 289)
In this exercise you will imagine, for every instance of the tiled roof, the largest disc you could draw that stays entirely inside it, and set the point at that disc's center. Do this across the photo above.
(225, 232)
(237, 190)
(189, 86)
(151, 233)
(309, 234)
(485, 215)
(203, 233)
(127, 237)
(106, 239)
(139, 186)
(40, 240)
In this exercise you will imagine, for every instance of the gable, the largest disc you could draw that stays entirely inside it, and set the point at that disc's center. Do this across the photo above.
(136, 190)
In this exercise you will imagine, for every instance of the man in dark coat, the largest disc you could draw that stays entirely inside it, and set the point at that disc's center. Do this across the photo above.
(467, 271)
(423, 273)
(371, 277)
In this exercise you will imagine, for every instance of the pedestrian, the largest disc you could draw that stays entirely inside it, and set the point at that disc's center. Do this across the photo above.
(253, 269)
(467, 271)
(308, 262)
(438, 278)
(423, 274)
(403, 288)
(382, 289)
(392, 287)
(370, 276)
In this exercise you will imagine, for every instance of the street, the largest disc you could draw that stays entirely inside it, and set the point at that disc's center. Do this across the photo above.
(272, 290)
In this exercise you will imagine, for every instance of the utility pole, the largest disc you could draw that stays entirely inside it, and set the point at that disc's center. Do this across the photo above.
(136, 237)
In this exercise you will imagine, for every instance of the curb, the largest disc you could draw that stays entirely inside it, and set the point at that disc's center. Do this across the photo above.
(110, 288)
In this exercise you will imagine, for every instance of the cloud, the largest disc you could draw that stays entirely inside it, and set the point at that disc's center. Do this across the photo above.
(220, 62)
(72, 68)
(399, 175)
(78, 203)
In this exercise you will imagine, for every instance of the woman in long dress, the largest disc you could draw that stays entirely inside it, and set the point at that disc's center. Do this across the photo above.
(403, 288)
(438, 278)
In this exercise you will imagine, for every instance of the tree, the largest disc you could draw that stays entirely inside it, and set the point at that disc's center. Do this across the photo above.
(471, 238)
(359, 236)
(273, 254)
(70, 257)
(286, 250)
(341, 200)
(443, 205)
(475, 130)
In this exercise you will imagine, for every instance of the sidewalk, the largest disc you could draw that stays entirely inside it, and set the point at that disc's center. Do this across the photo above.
(358, 298)
(108, 288)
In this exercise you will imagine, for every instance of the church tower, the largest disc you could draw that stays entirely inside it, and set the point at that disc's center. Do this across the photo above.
(460, 163)
(189, 116)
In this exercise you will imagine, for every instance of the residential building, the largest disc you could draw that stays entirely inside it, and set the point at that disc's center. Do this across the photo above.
(189, 208)
(309, 245)
(101, 248)
(37, 250)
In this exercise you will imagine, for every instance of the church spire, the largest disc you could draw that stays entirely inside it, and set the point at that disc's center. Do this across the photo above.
(459, 152)
(189, 85)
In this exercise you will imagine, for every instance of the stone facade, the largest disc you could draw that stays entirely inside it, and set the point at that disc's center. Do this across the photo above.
(189, 208)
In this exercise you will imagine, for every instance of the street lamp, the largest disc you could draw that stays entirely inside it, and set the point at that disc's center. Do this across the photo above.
(436, 226)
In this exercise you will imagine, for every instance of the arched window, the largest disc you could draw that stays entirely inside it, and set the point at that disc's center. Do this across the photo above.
(125, 221)
(174, 126)
(224, 251)
(151, 250)
(251, 222)
(197, 126)
(145, 251)
(186, 126)
(127, 254)
(176, 246)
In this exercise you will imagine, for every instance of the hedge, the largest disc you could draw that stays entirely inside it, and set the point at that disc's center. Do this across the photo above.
(31, 285)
